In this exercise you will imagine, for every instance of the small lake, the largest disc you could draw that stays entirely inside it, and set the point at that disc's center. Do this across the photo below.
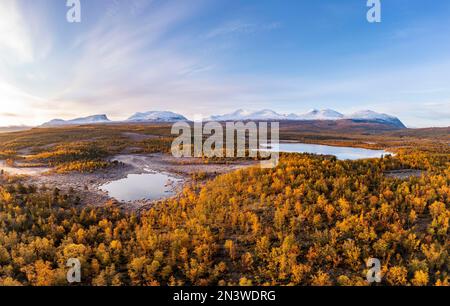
(148, 186)
(342, 153)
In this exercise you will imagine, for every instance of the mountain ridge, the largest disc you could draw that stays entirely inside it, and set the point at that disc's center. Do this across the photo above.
(315, 114)
(94, 119)
(156, 116)
(364, 116)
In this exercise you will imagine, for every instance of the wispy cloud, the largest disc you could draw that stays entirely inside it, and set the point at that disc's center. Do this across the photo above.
(239, 27)
(141, 55)
(9, 115)
(15, 40)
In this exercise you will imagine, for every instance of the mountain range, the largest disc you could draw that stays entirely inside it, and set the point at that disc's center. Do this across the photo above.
(240, 115)
(95, 119)
(155, 116)
(267, 114)
(325, 114)
(152, 116)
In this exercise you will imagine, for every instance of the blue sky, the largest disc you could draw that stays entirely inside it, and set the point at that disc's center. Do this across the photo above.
(214, 56)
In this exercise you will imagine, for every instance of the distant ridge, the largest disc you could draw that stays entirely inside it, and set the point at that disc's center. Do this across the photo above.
(151, 116)
(325, 114)
(365, 116)
(368, 115)
(14, 128)
(156, 116)
(241, 114)
(95, 119)
(267, 114)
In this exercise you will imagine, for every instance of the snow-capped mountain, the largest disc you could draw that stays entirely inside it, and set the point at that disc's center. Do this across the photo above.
(242, 115)
(95, 119)
(325, 114)
(368, 115)
(156, 116)
(267, 114)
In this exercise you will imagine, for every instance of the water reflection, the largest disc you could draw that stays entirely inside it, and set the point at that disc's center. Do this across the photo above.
(341, 153)
(149, 186)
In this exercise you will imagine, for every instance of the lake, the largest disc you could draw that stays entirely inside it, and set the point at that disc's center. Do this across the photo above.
(148, 186)
(342, 153)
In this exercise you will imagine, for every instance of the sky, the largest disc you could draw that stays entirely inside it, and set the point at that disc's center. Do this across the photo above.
(204, 57)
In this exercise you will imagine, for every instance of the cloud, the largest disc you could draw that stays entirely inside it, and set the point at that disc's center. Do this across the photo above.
(139, 55)
(9, 115)
(123, 58)
(20, 107)
(15, 38)
(434, 111)
(129, 60)
(144, 65)
(239, 27)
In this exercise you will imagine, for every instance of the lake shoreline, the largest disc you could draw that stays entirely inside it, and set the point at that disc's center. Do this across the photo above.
(340, 152)
(88, 185)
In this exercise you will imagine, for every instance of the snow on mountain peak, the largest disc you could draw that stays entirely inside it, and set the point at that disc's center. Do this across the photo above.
(94, 118)
(377, 117)
(79, 121)
(156, 116)
(241, 115)
(324, 114)
(368, 114)
(314, 114)
(267, 114)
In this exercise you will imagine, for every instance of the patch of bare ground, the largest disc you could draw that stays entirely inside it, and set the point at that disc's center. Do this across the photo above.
(22, 169)
(404, 173)
(185, 166)
(86, 185)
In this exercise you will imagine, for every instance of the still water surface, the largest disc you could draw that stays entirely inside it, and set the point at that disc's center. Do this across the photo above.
(341, 153)
(149, 186)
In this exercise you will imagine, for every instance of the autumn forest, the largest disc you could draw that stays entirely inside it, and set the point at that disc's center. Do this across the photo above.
(312, 220)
